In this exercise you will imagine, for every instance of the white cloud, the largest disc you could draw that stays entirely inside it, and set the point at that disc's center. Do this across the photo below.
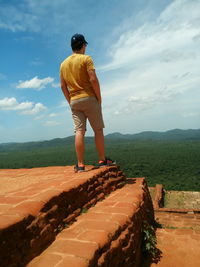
(172, 31)
(56, 85)
(12, 104)
(35, 110)
(155, 64)
(35, 16)
(35, 83)
(18, 18)
(144, 102)
(28, 108)
(51, 115)
(64, 104)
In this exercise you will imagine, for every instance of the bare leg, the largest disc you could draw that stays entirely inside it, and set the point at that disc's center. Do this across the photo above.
(79, 145)
(99, 142)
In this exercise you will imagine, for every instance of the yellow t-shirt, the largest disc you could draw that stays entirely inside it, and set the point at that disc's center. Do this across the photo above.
(74, 70)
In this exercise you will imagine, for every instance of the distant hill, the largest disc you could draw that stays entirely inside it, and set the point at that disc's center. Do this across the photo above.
(57, 142)
(171, 135)
(175, 134)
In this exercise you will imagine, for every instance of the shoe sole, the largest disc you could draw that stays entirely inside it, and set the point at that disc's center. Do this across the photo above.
(107, 165)
(77, 171)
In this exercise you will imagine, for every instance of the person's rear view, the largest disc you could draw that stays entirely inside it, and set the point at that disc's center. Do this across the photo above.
(81, 88)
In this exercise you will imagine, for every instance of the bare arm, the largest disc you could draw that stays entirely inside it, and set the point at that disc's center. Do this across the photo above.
(95, 84)
(64, 88)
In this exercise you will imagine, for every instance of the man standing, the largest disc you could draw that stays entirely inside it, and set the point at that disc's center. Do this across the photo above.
(81, 88)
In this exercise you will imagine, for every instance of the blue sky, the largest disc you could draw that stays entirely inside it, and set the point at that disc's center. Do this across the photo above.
(146, 54)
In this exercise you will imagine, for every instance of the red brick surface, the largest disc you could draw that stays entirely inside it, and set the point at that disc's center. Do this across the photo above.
(72, 261)
(50, 260)
(42, 201)
(179, 248)
(79, 248)
(158, 201)
(179, 238)
(178, 219)
(109, 234)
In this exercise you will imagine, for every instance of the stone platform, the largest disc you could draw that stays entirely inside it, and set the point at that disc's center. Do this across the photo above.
(42, 207)
(53, 217)
(180, 247)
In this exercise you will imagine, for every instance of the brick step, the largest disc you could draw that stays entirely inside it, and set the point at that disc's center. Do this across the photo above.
(109, 234)
(32, 216)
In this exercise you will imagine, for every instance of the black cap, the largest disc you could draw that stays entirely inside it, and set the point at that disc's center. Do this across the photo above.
(78, 39)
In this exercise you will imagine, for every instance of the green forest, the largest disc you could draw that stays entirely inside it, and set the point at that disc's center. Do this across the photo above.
(175, 164)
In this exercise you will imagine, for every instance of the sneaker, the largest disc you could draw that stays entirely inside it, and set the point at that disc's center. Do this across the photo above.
(106, 162)
(79, 168)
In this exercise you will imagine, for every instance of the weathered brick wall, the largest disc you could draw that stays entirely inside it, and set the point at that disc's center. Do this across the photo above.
(48, 218)
(158, 201)
(125, 248)
(185, 219)
(109, 234)
(30, 233)
(174, 217)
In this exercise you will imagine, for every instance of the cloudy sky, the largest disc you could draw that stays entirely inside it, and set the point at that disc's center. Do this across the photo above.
(146, 53)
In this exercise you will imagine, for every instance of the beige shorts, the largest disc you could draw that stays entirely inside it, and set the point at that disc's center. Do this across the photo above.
(86, 108)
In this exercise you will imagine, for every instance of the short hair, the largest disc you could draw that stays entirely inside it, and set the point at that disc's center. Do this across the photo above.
(77, 42)
(77, 46)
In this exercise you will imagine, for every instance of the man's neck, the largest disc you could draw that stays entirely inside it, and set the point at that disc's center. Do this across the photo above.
(78, 52)
(81, 51)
